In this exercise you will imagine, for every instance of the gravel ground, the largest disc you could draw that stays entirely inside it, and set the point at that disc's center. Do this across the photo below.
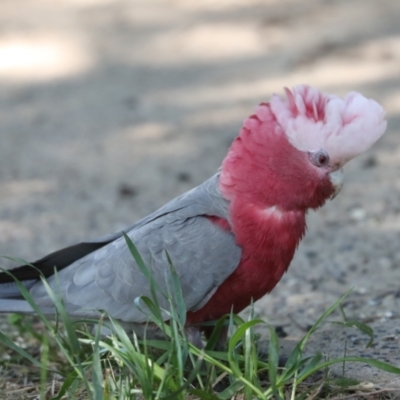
(108, 109)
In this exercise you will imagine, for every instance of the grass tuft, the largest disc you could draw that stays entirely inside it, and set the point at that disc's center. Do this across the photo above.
(67, 360)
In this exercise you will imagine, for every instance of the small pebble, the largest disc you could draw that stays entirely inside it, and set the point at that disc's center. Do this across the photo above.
(389, 338)
(370, 162)
(352, 267)
(183, 176)
(358, 214)
(311, 254)
(388, 314)
(127, 190)
(280, 331)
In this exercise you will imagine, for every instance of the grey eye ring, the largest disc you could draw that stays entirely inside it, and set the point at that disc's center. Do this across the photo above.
(319, 158)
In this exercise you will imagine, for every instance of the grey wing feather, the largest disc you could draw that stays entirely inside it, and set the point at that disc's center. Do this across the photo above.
(202, 253)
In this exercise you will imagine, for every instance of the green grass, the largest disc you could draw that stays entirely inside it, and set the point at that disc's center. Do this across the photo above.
(67, 360)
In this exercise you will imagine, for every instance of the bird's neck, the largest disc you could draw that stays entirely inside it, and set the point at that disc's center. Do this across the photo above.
(258, 228)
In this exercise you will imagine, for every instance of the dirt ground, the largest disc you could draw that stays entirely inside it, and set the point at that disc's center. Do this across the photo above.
(108, 109)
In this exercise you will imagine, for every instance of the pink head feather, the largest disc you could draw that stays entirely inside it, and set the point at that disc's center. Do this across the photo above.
(344, 128)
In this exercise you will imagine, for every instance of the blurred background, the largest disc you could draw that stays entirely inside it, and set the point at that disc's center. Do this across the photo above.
(109, 108)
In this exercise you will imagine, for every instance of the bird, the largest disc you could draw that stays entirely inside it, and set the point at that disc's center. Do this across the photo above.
(231, 238)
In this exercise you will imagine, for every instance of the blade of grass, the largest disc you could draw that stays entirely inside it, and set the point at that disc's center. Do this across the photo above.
(97, 375)
(44, 359)
(218, 326)
(9, 343)
(360, 326)
(370, 361)
(177, 293)
(273, 360)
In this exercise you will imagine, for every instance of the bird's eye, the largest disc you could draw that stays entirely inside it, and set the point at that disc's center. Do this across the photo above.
(320, 158)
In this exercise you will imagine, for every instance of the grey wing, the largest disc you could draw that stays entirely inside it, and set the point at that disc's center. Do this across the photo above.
(204, 199)
(109, 279)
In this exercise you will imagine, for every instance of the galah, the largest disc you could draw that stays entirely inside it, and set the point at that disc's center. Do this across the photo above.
(231, 238)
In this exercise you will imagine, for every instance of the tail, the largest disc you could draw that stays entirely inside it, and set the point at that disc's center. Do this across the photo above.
(15, 306)
(20, 306)
(11, 299)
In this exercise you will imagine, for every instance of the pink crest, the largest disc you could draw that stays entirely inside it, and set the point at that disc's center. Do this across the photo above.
(313, 120)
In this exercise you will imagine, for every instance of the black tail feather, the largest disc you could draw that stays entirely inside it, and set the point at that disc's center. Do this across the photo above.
(57, 260)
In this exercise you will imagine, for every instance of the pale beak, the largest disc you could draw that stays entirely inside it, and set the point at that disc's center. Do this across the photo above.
(336, 178)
